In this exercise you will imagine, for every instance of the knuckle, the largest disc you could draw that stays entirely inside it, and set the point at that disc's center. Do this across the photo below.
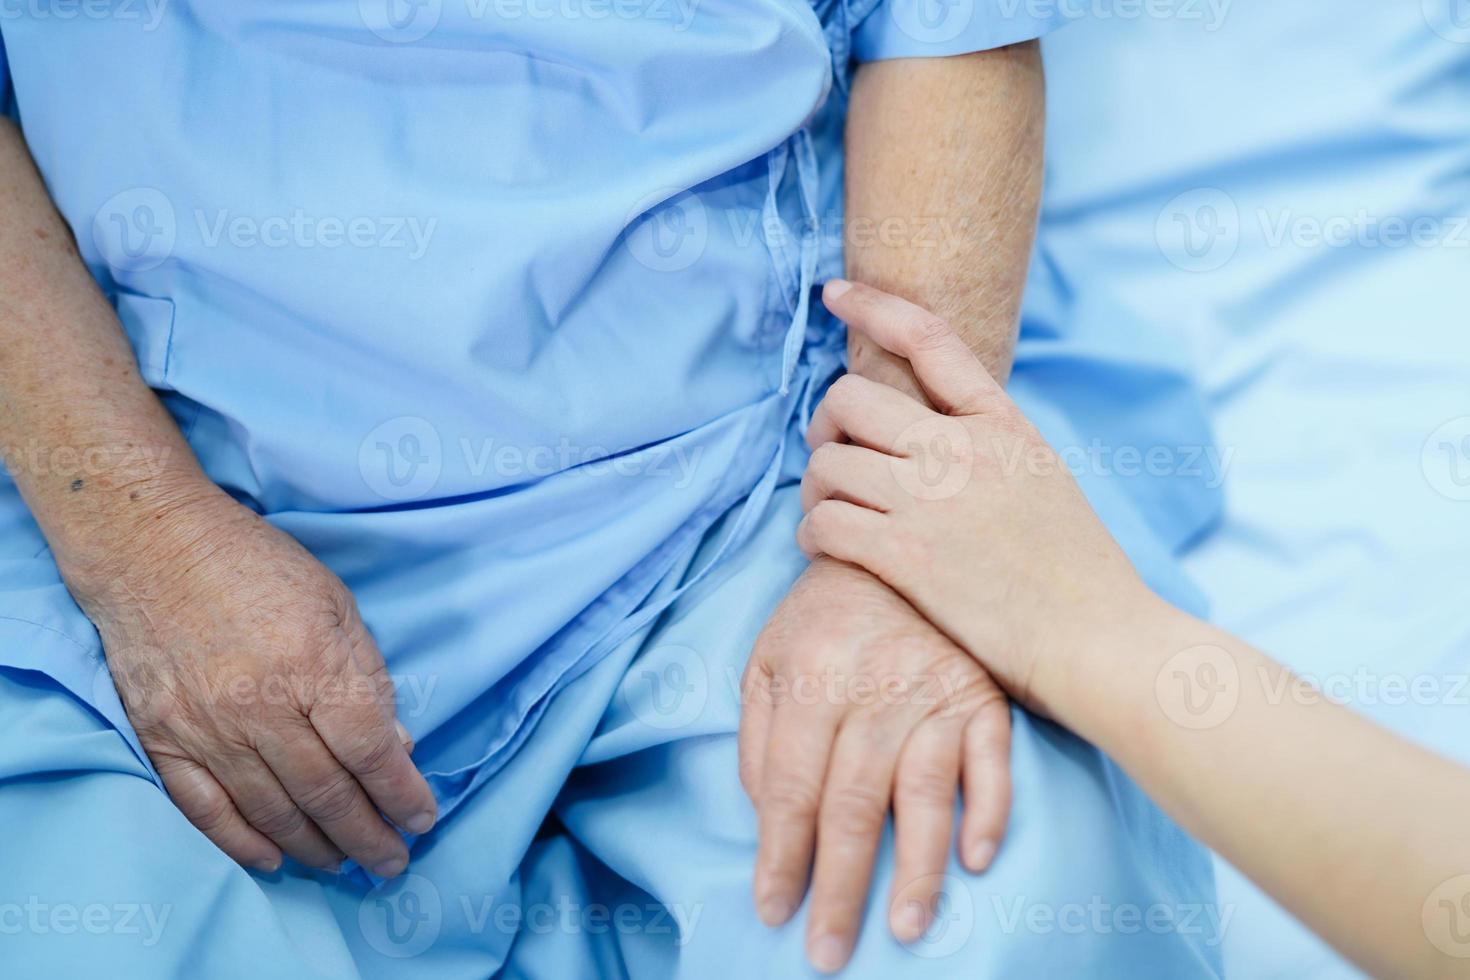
(824, 458)
(374, 751)
(749, 777)
(755, 682)
(210, 813)
(990, 715)
(824, 518)
(768, 650)
(276, 817)
(805, 665)
(806, 540)
(811, 488)
(150, 715)
(927, 332)
(990, 751)
(842, 391)
(334, 799)
(344, 600)
(791, 799)
(854, 811)
(927, 785)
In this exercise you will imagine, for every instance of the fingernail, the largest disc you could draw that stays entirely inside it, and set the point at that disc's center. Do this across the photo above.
(835, 288)
(828, 953)
(403, 735)
(390, 868)
(268, 865)
(979, 855)
(909, 923)
(420, 823)
(775, 911)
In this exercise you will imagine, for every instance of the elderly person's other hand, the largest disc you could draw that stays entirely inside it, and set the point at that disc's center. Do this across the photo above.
(254, 687)
(241, 661)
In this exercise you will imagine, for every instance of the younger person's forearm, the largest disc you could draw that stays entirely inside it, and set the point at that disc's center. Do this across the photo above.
(93, 452)
(1358, 832)
(944, 172)
(1350, 827)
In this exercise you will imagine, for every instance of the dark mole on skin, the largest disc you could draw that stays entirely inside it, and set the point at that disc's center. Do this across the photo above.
(76, 485)
(133, 495)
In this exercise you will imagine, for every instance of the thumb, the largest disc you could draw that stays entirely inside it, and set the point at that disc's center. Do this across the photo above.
(952, 376)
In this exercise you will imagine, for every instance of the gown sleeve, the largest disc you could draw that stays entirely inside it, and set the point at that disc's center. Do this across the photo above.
(940, 28)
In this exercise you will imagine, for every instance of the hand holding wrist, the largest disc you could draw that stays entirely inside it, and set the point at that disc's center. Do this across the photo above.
(963, 508)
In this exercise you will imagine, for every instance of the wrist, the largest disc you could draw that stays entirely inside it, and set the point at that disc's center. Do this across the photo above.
(132, 526)
(1091, 675)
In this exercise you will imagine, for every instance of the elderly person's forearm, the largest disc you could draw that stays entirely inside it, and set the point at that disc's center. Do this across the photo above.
(944, 172)
(943, 176)
(192, 594)
(88, 444)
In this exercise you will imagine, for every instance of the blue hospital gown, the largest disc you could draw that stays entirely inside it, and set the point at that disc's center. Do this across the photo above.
(505, 311)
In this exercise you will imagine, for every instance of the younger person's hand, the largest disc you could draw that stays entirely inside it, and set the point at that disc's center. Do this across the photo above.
(965, 511)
